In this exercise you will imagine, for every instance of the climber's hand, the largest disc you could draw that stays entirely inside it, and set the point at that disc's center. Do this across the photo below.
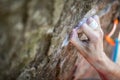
(92, 50)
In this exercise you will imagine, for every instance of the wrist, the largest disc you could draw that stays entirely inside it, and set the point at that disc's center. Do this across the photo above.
(102, 63)
(108, 68)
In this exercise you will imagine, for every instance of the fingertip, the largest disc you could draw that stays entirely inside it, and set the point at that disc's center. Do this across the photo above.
(84, 25)
(89, 20)
(96, 18)
(74, 31)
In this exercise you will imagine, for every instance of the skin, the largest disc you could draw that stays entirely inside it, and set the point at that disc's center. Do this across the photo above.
(92, 50)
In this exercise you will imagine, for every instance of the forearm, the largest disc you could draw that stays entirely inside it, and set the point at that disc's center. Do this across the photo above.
(103, 65)
(107, 69)
(110, 70)
(92, 50)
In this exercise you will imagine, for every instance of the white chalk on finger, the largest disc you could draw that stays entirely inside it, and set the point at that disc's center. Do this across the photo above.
(93, 24)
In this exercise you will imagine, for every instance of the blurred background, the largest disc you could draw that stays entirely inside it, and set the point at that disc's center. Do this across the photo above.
(23, 23)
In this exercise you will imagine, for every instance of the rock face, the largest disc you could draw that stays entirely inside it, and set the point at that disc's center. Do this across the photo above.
(32, 33)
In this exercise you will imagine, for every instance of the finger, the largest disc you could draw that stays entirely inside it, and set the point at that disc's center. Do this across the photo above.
(79, 25)
(96, 17)
(92, 23)
(74, 34)
(75, 40)
(78, 30)
(90, 33)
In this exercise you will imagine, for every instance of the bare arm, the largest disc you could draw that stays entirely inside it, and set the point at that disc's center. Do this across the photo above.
(103, 65)
(93, 50)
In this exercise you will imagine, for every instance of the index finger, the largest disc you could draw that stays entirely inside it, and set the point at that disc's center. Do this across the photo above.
(90, 33)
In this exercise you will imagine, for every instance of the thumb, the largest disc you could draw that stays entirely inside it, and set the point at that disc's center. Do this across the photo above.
(80, 45)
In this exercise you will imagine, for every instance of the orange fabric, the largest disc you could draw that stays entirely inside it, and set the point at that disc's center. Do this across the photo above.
(110, 40)
(116, 21)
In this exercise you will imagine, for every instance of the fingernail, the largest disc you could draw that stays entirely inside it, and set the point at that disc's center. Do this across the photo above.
(93, 24)
(89, 20)
(95, 16)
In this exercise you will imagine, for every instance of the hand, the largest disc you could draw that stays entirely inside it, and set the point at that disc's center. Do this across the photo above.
(92, 49)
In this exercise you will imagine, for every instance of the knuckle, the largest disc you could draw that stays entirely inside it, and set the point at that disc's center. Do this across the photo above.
(96, 38)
